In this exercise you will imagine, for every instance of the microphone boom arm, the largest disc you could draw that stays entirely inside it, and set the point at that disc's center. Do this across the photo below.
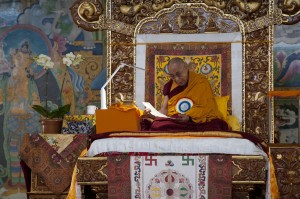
(103, 91)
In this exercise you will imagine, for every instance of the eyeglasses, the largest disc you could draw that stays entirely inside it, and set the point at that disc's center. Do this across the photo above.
(177, 74)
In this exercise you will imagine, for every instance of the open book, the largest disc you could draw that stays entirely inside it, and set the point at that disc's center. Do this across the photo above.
(154, 112)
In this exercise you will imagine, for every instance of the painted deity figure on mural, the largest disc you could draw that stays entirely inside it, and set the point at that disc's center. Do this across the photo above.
(62, 10)
(4, 64)
(19, 86)
(21, 92)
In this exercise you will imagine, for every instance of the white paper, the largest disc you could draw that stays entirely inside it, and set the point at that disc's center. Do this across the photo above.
(153, 111)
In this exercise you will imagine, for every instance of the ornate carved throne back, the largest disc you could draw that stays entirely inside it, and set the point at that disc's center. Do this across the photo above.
(205, 40)
(125, 20)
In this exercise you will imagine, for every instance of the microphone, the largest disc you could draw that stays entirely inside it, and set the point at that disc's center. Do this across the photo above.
(103, 91)
(123, 64)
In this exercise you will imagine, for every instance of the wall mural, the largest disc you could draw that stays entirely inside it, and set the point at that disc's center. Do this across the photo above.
(287, 77)
(26, 31)
(287, 56)
(287, 66)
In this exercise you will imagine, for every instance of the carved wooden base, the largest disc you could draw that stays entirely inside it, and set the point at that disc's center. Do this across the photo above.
(245, 191)
(286, 159)
(101, 191)
(248, 176)
(46, 196)
(239, 191)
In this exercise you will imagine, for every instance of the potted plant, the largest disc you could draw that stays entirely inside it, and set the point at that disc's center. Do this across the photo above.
(52, 118)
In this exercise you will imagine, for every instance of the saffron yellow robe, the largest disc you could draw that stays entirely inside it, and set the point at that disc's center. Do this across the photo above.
(198, 90)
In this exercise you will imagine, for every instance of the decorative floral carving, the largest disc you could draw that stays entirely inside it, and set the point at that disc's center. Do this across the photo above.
(249, 169)
(290, 7)
(132, 9)
(88, 15)
(161, 4)
(290, 10)
(95, 170)
(123, 80)
(182, 20)
(219, 4)
(257, 83)
(248, 6)
(287, 170)
(89, 12)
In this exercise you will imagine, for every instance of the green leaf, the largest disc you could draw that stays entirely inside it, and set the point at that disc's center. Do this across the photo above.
(56, 113)
(41, 110)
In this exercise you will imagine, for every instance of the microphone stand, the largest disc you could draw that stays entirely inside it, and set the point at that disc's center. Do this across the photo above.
(103, 91)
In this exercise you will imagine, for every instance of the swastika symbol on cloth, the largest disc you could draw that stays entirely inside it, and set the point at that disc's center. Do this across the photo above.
(186, 160)
(150, 160)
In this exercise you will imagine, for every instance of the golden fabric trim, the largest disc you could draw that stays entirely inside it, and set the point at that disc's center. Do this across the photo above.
(59, 141)
(178, 134)
(72, 190)
(273, 181)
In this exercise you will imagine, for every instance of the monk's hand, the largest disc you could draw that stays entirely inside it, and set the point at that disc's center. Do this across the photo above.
(147, 114)
(183, 118)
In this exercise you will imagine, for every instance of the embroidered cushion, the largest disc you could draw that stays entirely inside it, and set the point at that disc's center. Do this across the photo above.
(79, 124)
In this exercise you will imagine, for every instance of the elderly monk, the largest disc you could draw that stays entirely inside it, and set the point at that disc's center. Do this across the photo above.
(188, 100)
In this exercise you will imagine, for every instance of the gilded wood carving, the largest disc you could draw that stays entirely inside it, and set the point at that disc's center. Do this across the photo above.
(290, 11)
(287, 170)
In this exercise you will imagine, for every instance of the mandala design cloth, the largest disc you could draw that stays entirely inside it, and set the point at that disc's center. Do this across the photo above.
(53, 157)
(172, 176)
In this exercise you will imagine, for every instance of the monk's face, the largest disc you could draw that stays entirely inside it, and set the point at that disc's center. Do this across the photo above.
(178, 72)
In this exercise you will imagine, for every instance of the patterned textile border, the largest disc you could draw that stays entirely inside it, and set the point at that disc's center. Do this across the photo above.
(76, 124)
(44, 160)
(177, 176)
(219, 178)
(169, 176)
(202, 57)
(119, 177)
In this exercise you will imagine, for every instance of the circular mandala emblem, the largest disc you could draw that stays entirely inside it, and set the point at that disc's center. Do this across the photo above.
(183, 105)
(169, 184)
(206, 69)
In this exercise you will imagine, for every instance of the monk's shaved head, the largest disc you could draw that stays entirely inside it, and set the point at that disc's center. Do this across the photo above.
(175, 62)
(177, 70)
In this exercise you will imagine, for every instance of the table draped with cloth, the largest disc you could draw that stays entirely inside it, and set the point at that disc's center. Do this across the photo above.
(52, 157)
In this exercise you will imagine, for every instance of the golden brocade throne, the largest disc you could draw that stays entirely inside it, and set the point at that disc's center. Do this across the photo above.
(212, 39)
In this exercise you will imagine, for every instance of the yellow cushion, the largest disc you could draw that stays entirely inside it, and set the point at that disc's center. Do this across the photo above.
(233, 122)
(222, 103)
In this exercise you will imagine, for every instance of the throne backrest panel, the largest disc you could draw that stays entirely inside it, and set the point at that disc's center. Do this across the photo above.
(209, 42)
(220, 60)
